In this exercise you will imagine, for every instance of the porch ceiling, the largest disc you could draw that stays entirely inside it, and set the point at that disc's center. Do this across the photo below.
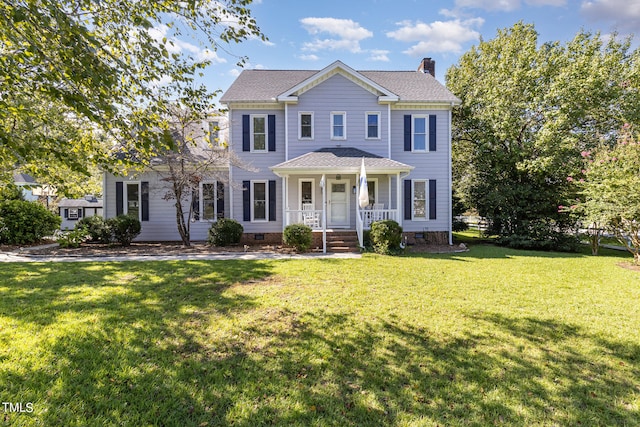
(340, 160)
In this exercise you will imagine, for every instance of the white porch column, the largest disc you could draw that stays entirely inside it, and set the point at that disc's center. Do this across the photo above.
(399, 205)
(323, 181)
(285, 201)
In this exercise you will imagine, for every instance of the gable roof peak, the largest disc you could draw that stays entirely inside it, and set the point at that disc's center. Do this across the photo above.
(337, 67)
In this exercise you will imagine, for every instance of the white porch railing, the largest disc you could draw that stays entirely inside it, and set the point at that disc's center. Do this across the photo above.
(372, 215)
(311, 218)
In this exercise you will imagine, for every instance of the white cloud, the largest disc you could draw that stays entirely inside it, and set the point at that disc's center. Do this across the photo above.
(234, 72)
(623, 14)
(311, 57)
(344, 34)
(496, 5)
(379, 55)
(438, 36)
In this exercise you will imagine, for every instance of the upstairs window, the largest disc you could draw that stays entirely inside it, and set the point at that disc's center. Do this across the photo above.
(305, 129)
(259, 133)
(419, 136)
(214, 133)
(338, 125)
(373, 125)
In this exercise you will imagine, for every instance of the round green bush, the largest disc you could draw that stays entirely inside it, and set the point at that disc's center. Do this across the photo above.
(23, 222)
(299, 236)
(96, 227)
(386, 236)
(124, 228)
(225, 232)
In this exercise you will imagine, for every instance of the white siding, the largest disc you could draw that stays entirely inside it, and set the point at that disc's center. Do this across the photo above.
(337, 94)
(430, 165)
(162, 214)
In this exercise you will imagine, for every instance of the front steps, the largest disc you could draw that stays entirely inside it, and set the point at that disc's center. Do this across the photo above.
(342, 241)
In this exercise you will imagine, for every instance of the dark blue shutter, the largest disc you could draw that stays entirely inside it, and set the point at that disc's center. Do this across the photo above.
(144, 197)
(272, 200)
(80, 212)
(246, 133)
(66, 213)
(195, 204)
(432, 199)
(119, 198)
(432, 133)
(271, 137)
(246, 201)
(407, 132)
(220, 199)
(407, 199)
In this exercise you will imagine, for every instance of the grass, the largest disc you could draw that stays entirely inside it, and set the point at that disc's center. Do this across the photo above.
(488, 337)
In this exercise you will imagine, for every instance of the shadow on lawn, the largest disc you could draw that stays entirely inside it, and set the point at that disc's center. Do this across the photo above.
(163, 355)
(113, 341)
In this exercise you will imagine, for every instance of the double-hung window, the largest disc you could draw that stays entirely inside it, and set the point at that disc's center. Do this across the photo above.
(73, 213)
(305, 128)
(132, 199)
(338, 125)
(372, 125)
(258, 133)
(419, 198)
(259, 197)
(214, 133)
(204, 201)
(420, 133)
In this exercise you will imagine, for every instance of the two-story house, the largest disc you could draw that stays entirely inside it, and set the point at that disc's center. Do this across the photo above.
(301, 137)
(306, 133)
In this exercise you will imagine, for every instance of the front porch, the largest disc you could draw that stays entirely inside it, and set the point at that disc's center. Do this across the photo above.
(321, 190)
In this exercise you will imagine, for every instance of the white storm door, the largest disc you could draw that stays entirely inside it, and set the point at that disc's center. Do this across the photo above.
(338, 212)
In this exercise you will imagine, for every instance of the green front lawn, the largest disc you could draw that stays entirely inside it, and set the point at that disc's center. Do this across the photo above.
(490, 336)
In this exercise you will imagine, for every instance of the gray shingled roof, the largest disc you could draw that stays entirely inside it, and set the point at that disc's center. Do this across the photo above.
(80, 203)
(343, 159)
(266, 85)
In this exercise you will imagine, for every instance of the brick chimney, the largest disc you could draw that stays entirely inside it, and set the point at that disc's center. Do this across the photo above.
(428, 65)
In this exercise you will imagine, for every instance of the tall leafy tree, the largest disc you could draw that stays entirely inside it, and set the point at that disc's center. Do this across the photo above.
(80, 78)
(528, 111)
(608, 190)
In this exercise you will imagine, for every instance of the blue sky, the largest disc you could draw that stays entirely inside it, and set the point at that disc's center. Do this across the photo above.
(397, 34)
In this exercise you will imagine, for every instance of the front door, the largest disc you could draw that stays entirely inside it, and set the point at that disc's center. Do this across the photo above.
(338, 212)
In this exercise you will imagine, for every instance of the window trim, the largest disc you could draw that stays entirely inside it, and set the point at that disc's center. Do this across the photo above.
(426, 200)
(252, 133)
(313, 193)
(76, 216)
(201, 201)
(266, 200)
(125, 196)
(426, 133)
(366, 125)
(344, 125)
(213, 133)
(305, 138)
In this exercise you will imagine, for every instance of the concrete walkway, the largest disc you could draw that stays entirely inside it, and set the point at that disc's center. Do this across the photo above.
(26, 257)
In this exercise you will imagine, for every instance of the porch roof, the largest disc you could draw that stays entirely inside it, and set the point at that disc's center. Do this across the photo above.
(340, 160)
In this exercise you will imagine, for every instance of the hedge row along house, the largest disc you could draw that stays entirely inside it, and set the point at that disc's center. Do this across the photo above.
(304, 135)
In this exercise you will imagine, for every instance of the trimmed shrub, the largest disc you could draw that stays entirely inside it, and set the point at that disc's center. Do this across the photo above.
(225, 232)
(386, 236)
(299, 236)
(73, 238)
(23, 222)
(541, 236)
(124, 228)
(96, 227)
